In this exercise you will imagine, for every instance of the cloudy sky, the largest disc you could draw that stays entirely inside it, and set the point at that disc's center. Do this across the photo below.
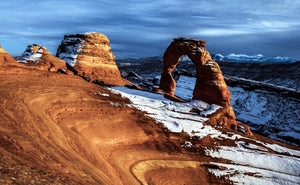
(140, 28)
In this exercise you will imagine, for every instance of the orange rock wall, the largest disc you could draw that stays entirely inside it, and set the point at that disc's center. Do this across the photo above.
(90, 55)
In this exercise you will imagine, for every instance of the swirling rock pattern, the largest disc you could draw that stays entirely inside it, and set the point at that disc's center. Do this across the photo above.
(59, 129)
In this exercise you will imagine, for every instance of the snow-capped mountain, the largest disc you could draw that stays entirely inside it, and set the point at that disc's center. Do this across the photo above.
(259, 58)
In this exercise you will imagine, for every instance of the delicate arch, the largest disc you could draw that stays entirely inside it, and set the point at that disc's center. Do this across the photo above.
(210, 85)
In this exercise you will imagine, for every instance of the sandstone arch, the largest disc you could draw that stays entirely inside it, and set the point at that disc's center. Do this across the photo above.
(210, 85)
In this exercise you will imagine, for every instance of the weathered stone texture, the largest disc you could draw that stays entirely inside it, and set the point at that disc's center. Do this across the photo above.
(210, 85)
(91, 57)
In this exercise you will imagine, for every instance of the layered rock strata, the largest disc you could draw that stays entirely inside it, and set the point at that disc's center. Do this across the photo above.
(91, 57)
(210, 85)
(41, 58)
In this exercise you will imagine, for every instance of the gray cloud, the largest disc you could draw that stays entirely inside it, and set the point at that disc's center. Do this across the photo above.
(140, 28)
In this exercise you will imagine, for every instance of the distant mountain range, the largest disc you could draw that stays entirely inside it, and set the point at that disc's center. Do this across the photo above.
(259, 58)
(251, 59)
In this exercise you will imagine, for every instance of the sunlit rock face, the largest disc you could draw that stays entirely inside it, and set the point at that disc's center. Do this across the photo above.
(91, 57)
(5, 58)
(39, 57)
(210, 85)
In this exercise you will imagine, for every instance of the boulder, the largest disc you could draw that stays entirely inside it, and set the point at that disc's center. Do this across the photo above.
(41, 58)
(91, 57)
(210, 85)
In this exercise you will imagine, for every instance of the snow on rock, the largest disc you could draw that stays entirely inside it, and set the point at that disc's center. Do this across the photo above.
(90, 56)
(249, 162)
(253, 165)
(247, 156)
(187, 144)
(32, 53)
(240, 174)
(102, 94)
(269, 114)
(175, 116)
(40, 58)
(72, 47)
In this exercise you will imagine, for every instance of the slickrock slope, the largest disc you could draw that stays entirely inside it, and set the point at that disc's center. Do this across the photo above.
(59, 129)
(90, 55)
(210, 85)
(41, 58)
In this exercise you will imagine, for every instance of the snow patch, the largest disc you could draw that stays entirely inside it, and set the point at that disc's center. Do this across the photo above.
(72, 47)
(187, 144)
(33, 57)
(87, 33)
(252, 163)
(239, 174)
(103, 94)
(175, 116)
(246, 156)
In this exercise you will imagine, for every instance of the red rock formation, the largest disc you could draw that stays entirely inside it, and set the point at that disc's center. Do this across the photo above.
(5, 58)
(41, 58)
(210, 85)
(90, 55)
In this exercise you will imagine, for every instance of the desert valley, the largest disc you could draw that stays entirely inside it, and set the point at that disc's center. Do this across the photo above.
(82, 117)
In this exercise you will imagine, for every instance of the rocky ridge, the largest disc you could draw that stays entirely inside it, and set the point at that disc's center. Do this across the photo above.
(41, 58)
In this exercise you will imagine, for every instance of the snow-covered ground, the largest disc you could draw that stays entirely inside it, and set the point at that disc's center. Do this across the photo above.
(175, 116)
(269, 114)
(250, 162)
(275, 116)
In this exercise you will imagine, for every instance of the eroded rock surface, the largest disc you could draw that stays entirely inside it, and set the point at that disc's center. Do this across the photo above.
(5, 57)
(58, 129)
(210, 85)
(91, 57)
(41, 58)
